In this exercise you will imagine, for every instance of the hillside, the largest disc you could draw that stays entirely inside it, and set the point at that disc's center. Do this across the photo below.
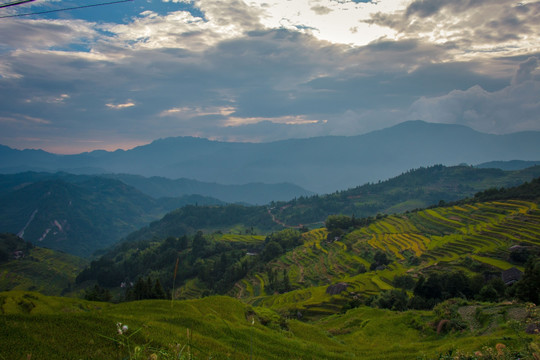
(424, 284)
(225, 328)
(477, 238)
(26, 267)
(414, 189)
(418, 188)
(322, 164)
(78, 215)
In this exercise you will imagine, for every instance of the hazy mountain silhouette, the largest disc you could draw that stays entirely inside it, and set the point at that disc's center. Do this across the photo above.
(322, 164)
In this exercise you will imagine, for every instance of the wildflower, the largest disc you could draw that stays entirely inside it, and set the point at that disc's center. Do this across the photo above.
(500, 348)
(121, 328)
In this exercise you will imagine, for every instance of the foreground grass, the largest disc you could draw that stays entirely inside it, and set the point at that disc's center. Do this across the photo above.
(41, 327)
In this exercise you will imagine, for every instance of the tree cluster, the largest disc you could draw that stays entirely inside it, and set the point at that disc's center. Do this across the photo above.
(145, 289)
(436, 288)
(97, 293)
(275, 284)
(217, 264)
(9, 243)
(280, 242)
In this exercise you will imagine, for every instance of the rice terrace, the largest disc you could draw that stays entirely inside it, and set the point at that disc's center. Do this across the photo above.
(424, 284)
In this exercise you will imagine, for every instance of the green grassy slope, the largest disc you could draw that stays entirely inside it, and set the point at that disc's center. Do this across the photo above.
(40, 327)
(44, 270)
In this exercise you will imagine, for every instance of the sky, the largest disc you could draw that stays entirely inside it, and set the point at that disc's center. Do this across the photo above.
(124, 74)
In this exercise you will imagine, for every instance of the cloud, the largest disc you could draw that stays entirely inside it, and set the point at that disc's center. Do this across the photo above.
(24, 120)
(525, 70)
(321, 10)
(513, 108)
(229, 70)
(44, 34)
(120, 106)
(472, 27)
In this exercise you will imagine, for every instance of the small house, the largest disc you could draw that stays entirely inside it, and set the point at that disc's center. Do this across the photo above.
(511, 276)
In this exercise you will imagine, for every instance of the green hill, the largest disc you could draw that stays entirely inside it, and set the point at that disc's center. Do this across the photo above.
(424, 284)
(77, 214)
(26, 267)
(415, 189)
(41, 327)
(472, 237)
(418, 188)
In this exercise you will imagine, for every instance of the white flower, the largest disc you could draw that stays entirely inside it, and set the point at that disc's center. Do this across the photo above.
(121, 329)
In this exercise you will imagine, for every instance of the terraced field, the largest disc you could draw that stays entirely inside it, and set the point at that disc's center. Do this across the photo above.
(415, 242)
(246, 239)
(44, 270)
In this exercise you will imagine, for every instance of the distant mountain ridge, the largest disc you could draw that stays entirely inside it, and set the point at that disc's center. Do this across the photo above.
(252, 193)
(159, 187)
(508, 165)
(322, 164)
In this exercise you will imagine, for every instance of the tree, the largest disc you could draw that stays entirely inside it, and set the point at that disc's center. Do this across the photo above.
(286, 285)
(488, 293)
(404, 282)
(396, 300)
(199, 243)
(380, 259)
(97, 293)
(157, 292)
(272, 250)
(334, 222)
(528, 288)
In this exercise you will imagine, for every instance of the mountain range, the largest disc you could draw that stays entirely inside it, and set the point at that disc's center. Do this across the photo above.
(321, 164)
(81, 214)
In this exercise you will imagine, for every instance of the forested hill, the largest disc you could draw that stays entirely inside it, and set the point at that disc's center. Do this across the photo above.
(192, 218)
(78, 215)
(485, 234)
(414, 189)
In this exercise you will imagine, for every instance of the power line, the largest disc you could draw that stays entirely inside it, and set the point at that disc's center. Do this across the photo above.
(64, 9)
(13, 3)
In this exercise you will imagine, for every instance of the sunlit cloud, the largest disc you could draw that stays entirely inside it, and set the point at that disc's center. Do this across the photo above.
(120, 106)
(288, 120)
(24, 119)
(190, 111)
(49, 99)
